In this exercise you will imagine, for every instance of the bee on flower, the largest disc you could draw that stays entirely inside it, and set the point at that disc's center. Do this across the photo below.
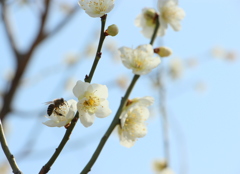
(64, 114)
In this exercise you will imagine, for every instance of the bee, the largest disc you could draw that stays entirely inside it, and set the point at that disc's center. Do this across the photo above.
(54, 106)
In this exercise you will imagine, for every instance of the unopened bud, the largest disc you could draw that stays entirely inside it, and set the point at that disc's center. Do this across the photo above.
(160, 165)
(163, 51)
(112, 30)
(149, 16)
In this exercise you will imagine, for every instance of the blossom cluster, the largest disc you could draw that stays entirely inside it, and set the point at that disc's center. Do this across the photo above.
(92, 98)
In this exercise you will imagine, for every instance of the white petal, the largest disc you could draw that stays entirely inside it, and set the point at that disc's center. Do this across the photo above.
(142, 112)
(93, 14)
(142, 102)
(103, 110)
(123, 117)
(138, 20)
(161, 3)
(80, 88)
(147, 48)
(125, 51)
(100, 91)
(109, 8)
(95, 8)
(70, 115)
(163, 26)
(72, 104)
(86, 118)
(50, 123)
(63, 123)
(175, 25)
(153, 62)
(146, 101)
(147, 31)
(124, 140)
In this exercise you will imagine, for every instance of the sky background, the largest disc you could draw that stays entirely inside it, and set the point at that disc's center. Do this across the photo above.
(204, 126)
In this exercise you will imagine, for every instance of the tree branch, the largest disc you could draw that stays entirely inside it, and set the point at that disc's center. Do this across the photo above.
(24, 58)
(7, 152)
(8, 30)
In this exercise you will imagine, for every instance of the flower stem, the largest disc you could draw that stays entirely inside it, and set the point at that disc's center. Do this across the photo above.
(66, 137)
(155, 29)
(98, 53)
(163, 111)
(7, 152)
(114, 123)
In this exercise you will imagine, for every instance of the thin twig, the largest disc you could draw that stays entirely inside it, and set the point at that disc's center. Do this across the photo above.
(98, 53)
(7, 152)
(163, 111)
(66, 137)
(155, 29)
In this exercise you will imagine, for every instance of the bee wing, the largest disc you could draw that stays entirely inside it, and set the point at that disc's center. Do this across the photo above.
(50, 102)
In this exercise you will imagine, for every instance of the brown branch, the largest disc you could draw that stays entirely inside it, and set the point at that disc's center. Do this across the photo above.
(8, 30)
(23, 59)
(7, 152)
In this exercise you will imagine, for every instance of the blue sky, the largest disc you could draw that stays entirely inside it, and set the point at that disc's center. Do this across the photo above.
(204, 127)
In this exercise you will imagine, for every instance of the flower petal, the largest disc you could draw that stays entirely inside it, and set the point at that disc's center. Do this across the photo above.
(124, 140)
(73, 104)
(103, 110)
(100, 90)
(86, 118)
(80, 88)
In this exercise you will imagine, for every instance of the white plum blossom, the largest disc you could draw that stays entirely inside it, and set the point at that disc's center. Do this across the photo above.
(92, 101)
(96, 8)
(169, 13)
(147, 21)
(140, 60)
(62, 115)
(133, 119)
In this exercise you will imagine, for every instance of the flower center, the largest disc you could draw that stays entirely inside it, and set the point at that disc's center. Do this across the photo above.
(90, 104)
(132, 126)
(138, 63)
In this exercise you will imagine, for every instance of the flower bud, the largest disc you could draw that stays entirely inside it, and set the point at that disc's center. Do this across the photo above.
(112, 30)
(149, 16)
(163, 51)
